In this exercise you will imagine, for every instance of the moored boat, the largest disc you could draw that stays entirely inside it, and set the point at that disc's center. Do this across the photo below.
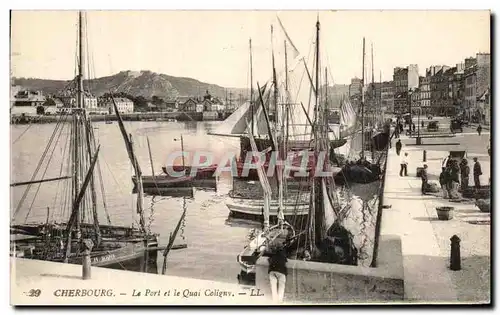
(201, 172)
(164, 181)
(253, 209)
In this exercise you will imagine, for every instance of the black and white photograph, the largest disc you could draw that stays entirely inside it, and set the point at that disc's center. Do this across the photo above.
(250, 157)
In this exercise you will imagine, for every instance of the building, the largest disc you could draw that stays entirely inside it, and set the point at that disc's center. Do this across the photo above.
(442, 102)
(187, 104)
(29, 98)
(425, 94)
(355, 87)
(123, 104)
(470, 90)
(167, 106)
(458, 88)
(413, 77)
(387, 96)
(400, 78)
(414, 95)
(372, 96)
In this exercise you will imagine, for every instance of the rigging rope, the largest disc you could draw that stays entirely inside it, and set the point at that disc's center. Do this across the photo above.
(60, 173)
(58, 129)
(19, 137)
(40, 162)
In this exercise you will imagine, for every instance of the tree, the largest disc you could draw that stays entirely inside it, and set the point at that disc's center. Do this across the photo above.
(49, 102)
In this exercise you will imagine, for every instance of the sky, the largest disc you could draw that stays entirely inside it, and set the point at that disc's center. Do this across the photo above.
(212, 46)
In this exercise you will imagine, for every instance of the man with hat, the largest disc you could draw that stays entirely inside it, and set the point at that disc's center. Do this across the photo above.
(477, 172)
(425, 179)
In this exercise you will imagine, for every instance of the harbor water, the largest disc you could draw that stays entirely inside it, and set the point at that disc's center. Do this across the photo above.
(213, 238)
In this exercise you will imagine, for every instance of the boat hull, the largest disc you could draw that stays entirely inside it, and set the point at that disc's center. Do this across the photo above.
(132, 254)
(253, 209)
(164, 181)
(201, 173)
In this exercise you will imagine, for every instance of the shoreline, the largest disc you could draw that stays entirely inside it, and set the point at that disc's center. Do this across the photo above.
(136, 116)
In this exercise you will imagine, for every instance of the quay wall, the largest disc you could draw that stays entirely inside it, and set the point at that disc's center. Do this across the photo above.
(179, 116)
(314, 282)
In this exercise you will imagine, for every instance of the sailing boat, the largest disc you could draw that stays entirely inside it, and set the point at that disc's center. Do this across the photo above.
(112, 246)
(322, 237)
(362, 171)
(260, 113)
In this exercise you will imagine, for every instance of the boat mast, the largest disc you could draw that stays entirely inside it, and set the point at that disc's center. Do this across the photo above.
(325, 117)
(251, 85)
(285, 130)
(275, 83)
(363, 104)
(76, 122)
(311, 234)
(279, 135)
(373, 92)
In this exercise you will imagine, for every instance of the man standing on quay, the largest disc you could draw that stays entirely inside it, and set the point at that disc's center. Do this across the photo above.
(464, 174)
(404, 165)
(398, 147)
(477, 172)
(424, 178)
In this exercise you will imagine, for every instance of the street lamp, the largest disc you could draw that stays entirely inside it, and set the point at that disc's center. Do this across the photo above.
(182, 148)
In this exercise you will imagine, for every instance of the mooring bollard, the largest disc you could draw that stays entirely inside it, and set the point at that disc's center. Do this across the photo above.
(425, 156)
(455, 253)
(87, 248)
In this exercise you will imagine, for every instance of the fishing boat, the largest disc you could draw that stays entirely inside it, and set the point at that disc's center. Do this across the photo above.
(177, 176)
(203, 172)
(63, 239)
(164, 181)
(321, 237)
(362, 170)
(254, 209)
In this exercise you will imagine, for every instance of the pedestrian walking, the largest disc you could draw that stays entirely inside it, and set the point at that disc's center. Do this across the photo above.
(399, 145)
(477, 172)
(404, 165)
(413, 127)
(464, 174)
(422, 124)
(425, 179)
(277, 273)
(479, 129)
(443, 181)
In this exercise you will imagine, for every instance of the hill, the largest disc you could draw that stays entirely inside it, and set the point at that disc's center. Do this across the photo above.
(138, 83)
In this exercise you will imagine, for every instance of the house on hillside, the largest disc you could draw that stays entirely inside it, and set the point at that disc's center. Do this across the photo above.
(168, 106)
(187, 106)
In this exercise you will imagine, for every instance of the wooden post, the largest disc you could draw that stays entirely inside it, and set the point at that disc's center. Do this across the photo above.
(455, 263)
(86, 264)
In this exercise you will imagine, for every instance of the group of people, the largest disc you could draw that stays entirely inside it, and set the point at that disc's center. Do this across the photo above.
(454, 174)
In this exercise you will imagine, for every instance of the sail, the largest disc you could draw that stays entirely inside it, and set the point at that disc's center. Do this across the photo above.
(294, 83)
(347, 115)
(266, 187)
(236, 123)
(329, 213)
